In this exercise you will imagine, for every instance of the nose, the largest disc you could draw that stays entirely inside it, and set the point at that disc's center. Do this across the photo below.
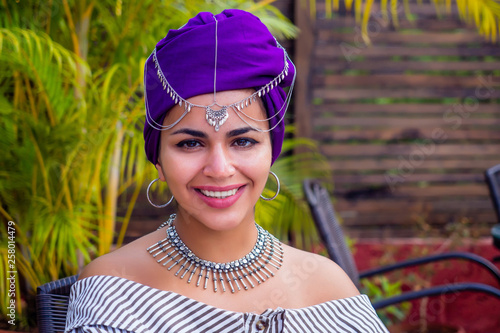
(219, 163)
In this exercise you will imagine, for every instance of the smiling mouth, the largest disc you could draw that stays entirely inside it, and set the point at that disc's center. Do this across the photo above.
(219, 194)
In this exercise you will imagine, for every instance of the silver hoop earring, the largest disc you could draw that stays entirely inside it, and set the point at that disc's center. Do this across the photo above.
(151, 202)
(277, 191)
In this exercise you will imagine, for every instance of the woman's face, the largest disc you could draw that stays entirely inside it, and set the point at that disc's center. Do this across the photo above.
(216, 177)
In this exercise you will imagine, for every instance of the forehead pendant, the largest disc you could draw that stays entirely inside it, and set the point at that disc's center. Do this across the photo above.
(216, 117)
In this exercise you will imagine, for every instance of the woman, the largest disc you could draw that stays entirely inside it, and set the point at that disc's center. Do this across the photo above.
(215, 105)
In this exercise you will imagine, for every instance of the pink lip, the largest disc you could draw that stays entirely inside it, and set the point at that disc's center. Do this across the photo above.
(220, 203)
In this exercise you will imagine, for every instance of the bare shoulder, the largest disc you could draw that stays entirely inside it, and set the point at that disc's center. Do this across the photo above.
(323, 280)
(130, 261)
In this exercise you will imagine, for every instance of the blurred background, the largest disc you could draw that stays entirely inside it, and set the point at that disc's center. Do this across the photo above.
(395, 110)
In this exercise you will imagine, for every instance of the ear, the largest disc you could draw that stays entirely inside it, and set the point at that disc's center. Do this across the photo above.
(160, 172)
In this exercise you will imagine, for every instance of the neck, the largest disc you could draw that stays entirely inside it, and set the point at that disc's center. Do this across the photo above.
(216, 245)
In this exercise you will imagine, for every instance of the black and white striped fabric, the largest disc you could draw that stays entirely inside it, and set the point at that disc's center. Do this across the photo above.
(113, 304)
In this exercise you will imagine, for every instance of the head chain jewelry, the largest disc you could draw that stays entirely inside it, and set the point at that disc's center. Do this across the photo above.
(218, 117)
(149, 199)
(277, 191)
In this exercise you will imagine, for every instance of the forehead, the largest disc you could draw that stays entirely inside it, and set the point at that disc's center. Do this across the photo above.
(253, 115)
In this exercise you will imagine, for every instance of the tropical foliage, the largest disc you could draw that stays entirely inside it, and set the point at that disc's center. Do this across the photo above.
(71, 120)
(484, 14)
(300, 159)
(382, 288)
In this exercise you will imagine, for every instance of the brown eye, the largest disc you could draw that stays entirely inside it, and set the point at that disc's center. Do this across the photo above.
(244, 142)
(189, 144)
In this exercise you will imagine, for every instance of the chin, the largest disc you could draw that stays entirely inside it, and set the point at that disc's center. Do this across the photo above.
(221, 219)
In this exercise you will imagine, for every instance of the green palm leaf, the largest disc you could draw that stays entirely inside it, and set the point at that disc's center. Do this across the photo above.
(484, 14)
(288, 216)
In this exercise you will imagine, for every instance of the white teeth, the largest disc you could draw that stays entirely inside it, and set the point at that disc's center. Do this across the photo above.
(219, 194)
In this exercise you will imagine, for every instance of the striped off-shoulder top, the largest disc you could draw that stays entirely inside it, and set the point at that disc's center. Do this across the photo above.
(113, 304)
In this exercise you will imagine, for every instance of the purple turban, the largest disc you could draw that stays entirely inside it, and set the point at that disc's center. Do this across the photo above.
(248, 57)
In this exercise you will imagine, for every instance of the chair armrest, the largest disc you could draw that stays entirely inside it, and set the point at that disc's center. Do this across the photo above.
(58, 287)
(433, 258)
(52, 304)
(436, 291)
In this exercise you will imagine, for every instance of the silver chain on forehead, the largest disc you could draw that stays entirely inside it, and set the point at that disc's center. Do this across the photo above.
(217, 117)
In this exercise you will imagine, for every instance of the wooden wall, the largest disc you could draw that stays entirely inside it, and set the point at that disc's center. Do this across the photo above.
(408, 124)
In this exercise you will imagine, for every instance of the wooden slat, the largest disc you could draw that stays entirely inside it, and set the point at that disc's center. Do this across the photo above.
(398, 80)
(340, 51)
(428, 24)
(303, 51)
(357, 94)
(454, 150)
(420, 10)
(404, 190)
(451, 121)
(414, 178)
(384, 165)
(438, 39)
(399, 108)
(390, 66)
(394, 205)
(404, 133)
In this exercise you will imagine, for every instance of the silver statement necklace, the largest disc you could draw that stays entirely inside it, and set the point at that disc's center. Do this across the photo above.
(253, 268)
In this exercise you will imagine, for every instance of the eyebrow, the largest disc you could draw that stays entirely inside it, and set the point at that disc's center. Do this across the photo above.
(203, 135)
(240, 131)
(198, 134)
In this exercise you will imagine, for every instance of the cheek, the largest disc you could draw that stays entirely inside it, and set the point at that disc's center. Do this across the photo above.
(257, 167)
(176, 169)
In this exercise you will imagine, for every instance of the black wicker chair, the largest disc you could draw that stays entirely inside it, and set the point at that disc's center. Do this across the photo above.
(52, 304)
(492, 176)
(333, 238)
